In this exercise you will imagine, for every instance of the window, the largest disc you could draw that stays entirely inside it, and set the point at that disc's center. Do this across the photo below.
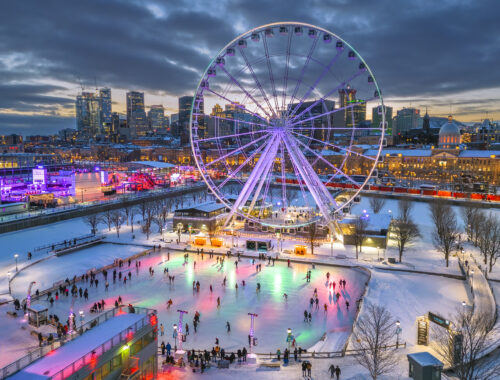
(136, 347)
(106, 369)
(116, 362)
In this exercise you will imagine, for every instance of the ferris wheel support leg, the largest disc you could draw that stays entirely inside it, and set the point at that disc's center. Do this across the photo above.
(320, 194)
(253, 178)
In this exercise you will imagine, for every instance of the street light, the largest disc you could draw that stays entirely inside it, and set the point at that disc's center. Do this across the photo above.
(8, 276)
(16, 256)
(398, 331)
(289, 337)
(472, 279)
(82, 317)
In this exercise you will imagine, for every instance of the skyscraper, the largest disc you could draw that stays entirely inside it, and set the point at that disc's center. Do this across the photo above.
(377, 118)
(185, 103)
(156, 117)
(88, 114)
(354, 115)
(136, 113)
(406, 119)
(106, 118)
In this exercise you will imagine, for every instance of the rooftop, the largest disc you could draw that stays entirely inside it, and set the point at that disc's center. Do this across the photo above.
(59, 359)
(204, 207)
(425, 359)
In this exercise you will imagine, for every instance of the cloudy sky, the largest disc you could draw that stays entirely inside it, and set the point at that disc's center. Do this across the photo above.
(441, 54)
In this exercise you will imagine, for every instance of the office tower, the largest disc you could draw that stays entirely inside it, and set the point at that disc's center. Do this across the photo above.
(88, 114)
(355, 109)
(377, 118)
(137, 121)
(156, 117)
(406, 119)
(106, 120)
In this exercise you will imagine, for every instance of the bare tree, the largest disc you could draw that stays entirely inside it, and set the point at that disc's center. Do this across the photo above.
(161, 216)
(374, 331)
(133, 212)
(405, 207)
(469, 215)
(477, 222)
(377, 204)
(489, 240)
(463, 344)
(93, 222)
(404, 233)
(107, 218)
(313, 231)
(143, 207)
(126, 211)
(445, 228)
(117, 218)
(359, 234)
(148, 221)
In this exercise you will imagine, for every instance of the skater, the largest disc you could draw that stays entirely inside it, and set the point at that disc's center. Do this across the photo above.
(218, 302)
(285, 296)
(169, 348)
(305, 316)
(347, 305)
(106, 288)
(331, 369)
(211, 290)
(326, 308)
(228, 327)
(169, 303)
(337, 372)
(258, 287)
(162, 329)
(310, 317)
(187, 329)
(311, 302)
(309, 367)
(317, 304)
(304, 368)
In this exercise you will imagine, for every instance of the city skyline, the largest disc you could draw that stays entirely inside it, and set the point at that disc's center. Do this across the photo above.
(418, 54)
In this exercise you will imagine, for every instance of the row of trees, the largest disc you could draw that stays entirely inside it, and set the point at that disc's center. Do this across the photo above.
(483, 231)
(152, 214)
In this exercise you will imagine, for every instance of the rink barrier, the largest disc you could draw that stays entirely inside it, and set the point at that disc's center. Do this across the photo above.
(40, 352)
(304, 355)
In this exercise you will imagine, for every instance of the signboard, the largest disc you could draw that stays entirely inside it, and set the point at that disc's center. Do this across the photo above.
(439, 320)
(423, 331)
(104, 177)
(39, 175)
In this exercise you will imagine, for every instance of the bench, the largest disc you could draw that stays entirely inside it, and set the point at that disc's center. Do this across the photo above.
(270, 365)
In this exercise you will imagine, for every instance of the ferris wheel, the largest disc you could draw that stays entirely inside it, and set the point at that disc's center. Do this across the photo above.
(274, 122)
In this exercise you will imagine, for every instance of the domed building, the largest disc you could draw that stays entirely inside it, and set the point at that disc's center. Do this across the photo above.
(449, 135)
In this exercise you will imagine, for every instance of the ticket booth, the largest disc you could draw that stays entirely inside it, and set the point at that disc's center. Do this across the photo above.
(37, 315)
(300, 249)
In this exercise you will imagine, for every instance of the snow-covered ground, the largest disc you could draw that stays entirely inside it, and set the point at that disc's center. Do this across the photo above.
(406, 295)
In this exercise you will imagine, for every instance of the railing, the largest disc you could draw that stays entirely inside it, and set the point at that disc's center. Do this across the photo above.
(40, 352)
(66, 243)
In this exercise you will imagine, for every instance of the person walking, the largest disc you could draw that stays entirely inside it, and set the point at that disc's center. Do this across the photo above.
(309, 368)
(331, 369)
(337, 372)
(304, 368)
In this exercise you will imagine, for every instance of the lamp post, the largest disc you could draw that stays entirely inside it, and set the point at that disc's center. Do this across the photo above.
(180, 352)
(174, 335)
(190, 228)
(16, 256)
(8, 278)
(251, 357)
(472, 279)
(289, 337)
(398, 331)
(82, 318)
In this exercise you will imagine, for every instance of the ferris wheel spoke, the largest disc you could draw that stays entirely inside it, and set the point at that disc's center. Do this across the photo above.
(301, 185)
(332, 128)
(231, 136)
(223, 157)
(323, 98)
(233, 120)
(319, 157)
(334, 146)
(271, 77)
(331, 112)
(236, 104)
(238, 169)
(283, 174)
(316, 82)
(302, 73)
(240, 86)
(287, 66)
(256, 80)
(266, 190)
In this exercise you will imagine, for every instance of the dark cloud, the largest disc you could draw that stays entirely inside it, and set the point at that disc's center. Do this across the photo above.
(416, 49)
(34, 124)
